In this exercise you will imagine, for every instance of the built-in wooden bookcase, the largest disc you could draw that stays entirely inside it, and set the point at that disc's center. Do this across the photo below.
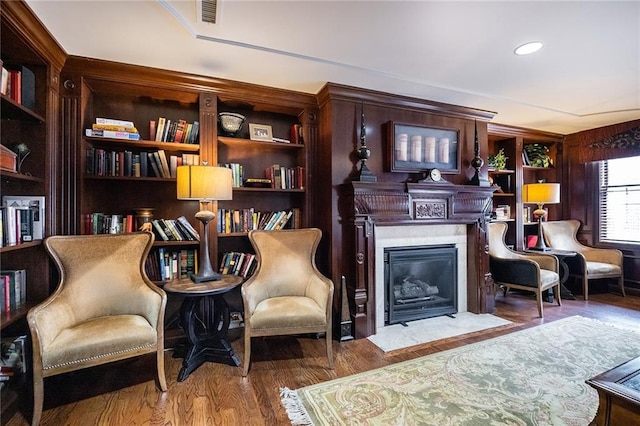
(255, 157)
(518, 172)
(505, 179)
(26, 43)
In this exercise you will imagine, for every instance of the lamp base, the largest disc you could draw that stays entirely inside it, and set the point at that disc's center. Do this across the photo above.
(196, 278)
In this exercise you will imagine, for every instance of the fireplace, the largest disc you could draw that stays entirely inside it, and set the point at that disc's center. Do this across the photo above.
(420, 282)
(390, 214)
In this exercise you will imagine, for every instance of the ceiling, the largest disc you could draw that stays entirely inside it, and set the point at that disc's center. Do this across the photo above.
(587, 75)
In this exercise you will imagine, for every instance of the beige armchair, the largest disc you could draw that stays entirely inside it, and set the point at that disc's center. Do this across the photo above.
(591, 263)
(105, 308)
(523, 271)
(287, 294)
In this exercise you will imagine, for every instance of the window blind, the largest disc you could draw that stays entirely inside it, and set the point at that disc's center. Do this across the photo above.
(619, 196)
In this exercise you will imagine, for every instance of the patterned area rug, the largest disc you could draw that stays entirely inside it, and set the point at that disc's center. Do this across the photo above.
(530, 377)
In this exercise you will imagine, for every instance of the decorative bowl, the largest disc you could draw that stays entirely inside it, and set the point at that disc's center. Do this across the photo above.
(230, 122)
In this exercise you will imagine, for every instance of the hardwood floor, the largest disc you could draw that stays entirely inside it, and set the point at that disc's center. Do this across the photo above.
(215, 394)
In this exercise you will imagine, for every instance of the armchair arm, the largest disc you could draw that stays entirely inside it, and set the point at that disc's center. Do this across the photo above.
(320, 289)
(515, 271)
(546, 261)
(612, 256)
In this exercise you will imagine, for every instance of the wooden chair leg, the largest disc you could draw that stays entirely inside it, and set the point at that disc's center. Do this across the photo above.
(38, 398)
(329, 349)
(556, 292)
(162, 380)
(539, 302)
(585, 287)
(621, 284)
(247, 353)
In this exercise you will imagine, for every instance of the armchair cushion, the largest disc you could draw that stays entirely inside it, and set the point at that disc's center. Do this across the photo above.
(99, 338)
(287, 312)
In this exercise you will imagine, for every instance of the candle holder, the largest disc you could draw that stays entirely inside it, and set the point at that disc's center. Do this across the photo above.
(477, 162)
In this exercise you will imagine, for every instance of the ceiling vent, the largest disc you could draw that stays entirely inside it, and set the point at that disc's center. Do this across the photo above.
(208, 10)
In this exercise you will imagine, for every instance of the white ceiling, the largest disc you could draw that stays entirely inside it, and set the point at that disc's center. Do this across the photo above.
(587, 75)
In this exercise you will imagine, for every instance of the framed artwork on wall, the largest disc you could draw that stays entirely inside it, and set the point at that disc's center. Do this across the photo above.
(413, 148)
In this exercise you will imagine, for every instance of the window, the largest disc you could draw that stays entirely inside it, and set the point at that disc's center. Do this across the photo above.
(619, 208)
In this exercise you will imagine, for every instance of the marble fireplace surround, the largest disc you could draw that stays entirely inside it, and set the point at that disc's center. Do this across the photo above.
(414, 236)
(393, 214)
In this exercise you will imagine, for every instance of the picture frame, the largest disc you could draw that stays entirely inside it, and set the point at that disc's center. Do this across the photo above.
(260, 132)
(414, 148)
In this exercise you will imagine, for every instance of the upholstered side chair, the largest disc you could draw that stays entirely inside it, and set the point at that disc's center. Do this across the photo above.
(287, 294)
(104, 309)
(591, 263)
(523, 271)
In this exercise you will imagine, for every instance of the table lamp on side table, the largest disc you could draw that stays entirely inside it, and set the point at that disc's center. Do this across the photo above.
(540, 194)
(204, 184)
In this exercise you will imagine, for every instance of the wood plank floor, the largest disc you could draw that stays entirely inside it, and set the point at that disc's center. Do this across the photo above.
(215, 394)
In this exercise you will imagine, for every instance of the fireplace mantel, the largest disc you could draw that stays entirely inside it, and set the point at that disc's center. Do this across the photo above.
(397, 204)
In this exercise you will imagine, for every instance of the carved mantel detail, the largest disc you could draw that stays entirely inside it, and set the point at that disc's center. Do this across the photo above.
(391, 203)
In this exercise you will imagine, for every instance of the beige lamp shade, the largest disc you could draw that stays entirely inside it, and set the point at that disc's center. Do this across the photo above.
(204, 183)
(541, 193)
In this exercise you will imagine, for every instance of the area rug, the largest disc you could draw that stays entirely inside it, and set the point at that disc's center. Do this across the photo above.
(531, 377)
(398, 336)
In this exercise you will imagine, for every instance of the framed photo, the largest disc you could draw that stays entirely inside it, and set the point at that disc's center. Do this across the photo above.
(260, 132)
(412, 148)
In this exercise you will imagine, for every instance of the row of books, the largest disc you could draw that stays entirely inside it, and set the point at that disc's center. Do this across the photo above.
(238, 263)
(21, 219)
(178, 131)
(19, 84)
(283, 177)
(164, 264)
(245, 220)
(13, 289)
(13, 358)
(174, 230)
(101, 162)
(237, 173)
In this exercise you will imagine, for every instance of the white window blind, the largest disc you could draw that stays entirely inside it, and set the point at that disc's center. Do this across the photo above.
(619, 211)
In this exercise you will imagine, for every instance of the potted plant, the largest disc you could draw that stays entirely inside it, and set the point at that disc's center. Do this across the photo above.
(498, 161)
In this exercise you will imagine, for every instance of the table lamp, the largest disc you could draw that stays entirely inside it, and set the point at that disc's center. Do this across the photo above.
(540, 194)
(204, 184)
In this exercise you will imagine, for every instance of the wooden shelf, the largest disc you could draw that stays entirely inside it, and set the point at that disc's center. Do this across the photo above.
(262, 144)
(20, 177)
(15, 111)
(247, 189)
(143, 144)
(20, 246)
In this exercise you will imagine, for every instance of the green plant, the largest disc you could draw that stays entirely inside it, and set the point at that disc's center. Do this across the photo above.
(538, 155)
(498, 161)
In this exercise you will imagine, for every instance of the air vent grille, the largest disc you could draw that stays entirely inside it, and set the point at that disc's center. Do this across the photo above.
(209, 9)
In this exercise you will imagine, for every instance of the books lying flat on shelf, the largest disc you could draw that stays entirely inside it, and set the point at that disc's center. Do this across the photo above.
(112, 134)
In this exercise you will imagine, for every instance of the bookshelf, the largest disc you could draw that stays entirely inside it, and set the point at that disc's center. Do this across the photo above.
(32, 120)
(514, 141)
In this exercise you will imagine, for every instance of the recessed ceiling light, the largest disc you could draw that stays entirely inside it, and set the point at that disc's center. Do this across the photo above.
(527, 48)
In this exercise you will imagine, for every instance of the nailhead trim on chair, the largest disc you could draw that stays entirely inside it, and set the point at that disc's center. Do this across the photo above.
(97, 357)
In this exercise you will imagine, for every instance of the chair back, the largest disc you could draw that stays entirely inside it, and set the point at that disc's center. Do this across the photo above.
(497, 247)
(561, 234)
(100, 275)
(285, 256)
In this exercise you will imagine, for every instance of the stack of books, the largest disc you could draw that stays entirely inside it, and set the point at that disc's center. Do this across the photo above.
(114, 129)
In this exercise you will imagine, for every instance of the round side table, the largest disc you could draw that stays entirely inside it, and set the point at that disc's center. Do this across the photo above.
(205, 319)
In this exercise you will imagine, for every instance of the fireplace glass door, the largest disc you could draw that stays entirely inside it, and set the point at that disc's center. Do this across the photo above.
(420, 282)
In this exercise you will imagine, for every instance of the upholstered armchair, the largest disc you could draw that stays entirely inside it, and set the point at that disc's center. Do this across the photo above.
(105, 308)
(287, 294)
(523, 271)
(591, 263)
